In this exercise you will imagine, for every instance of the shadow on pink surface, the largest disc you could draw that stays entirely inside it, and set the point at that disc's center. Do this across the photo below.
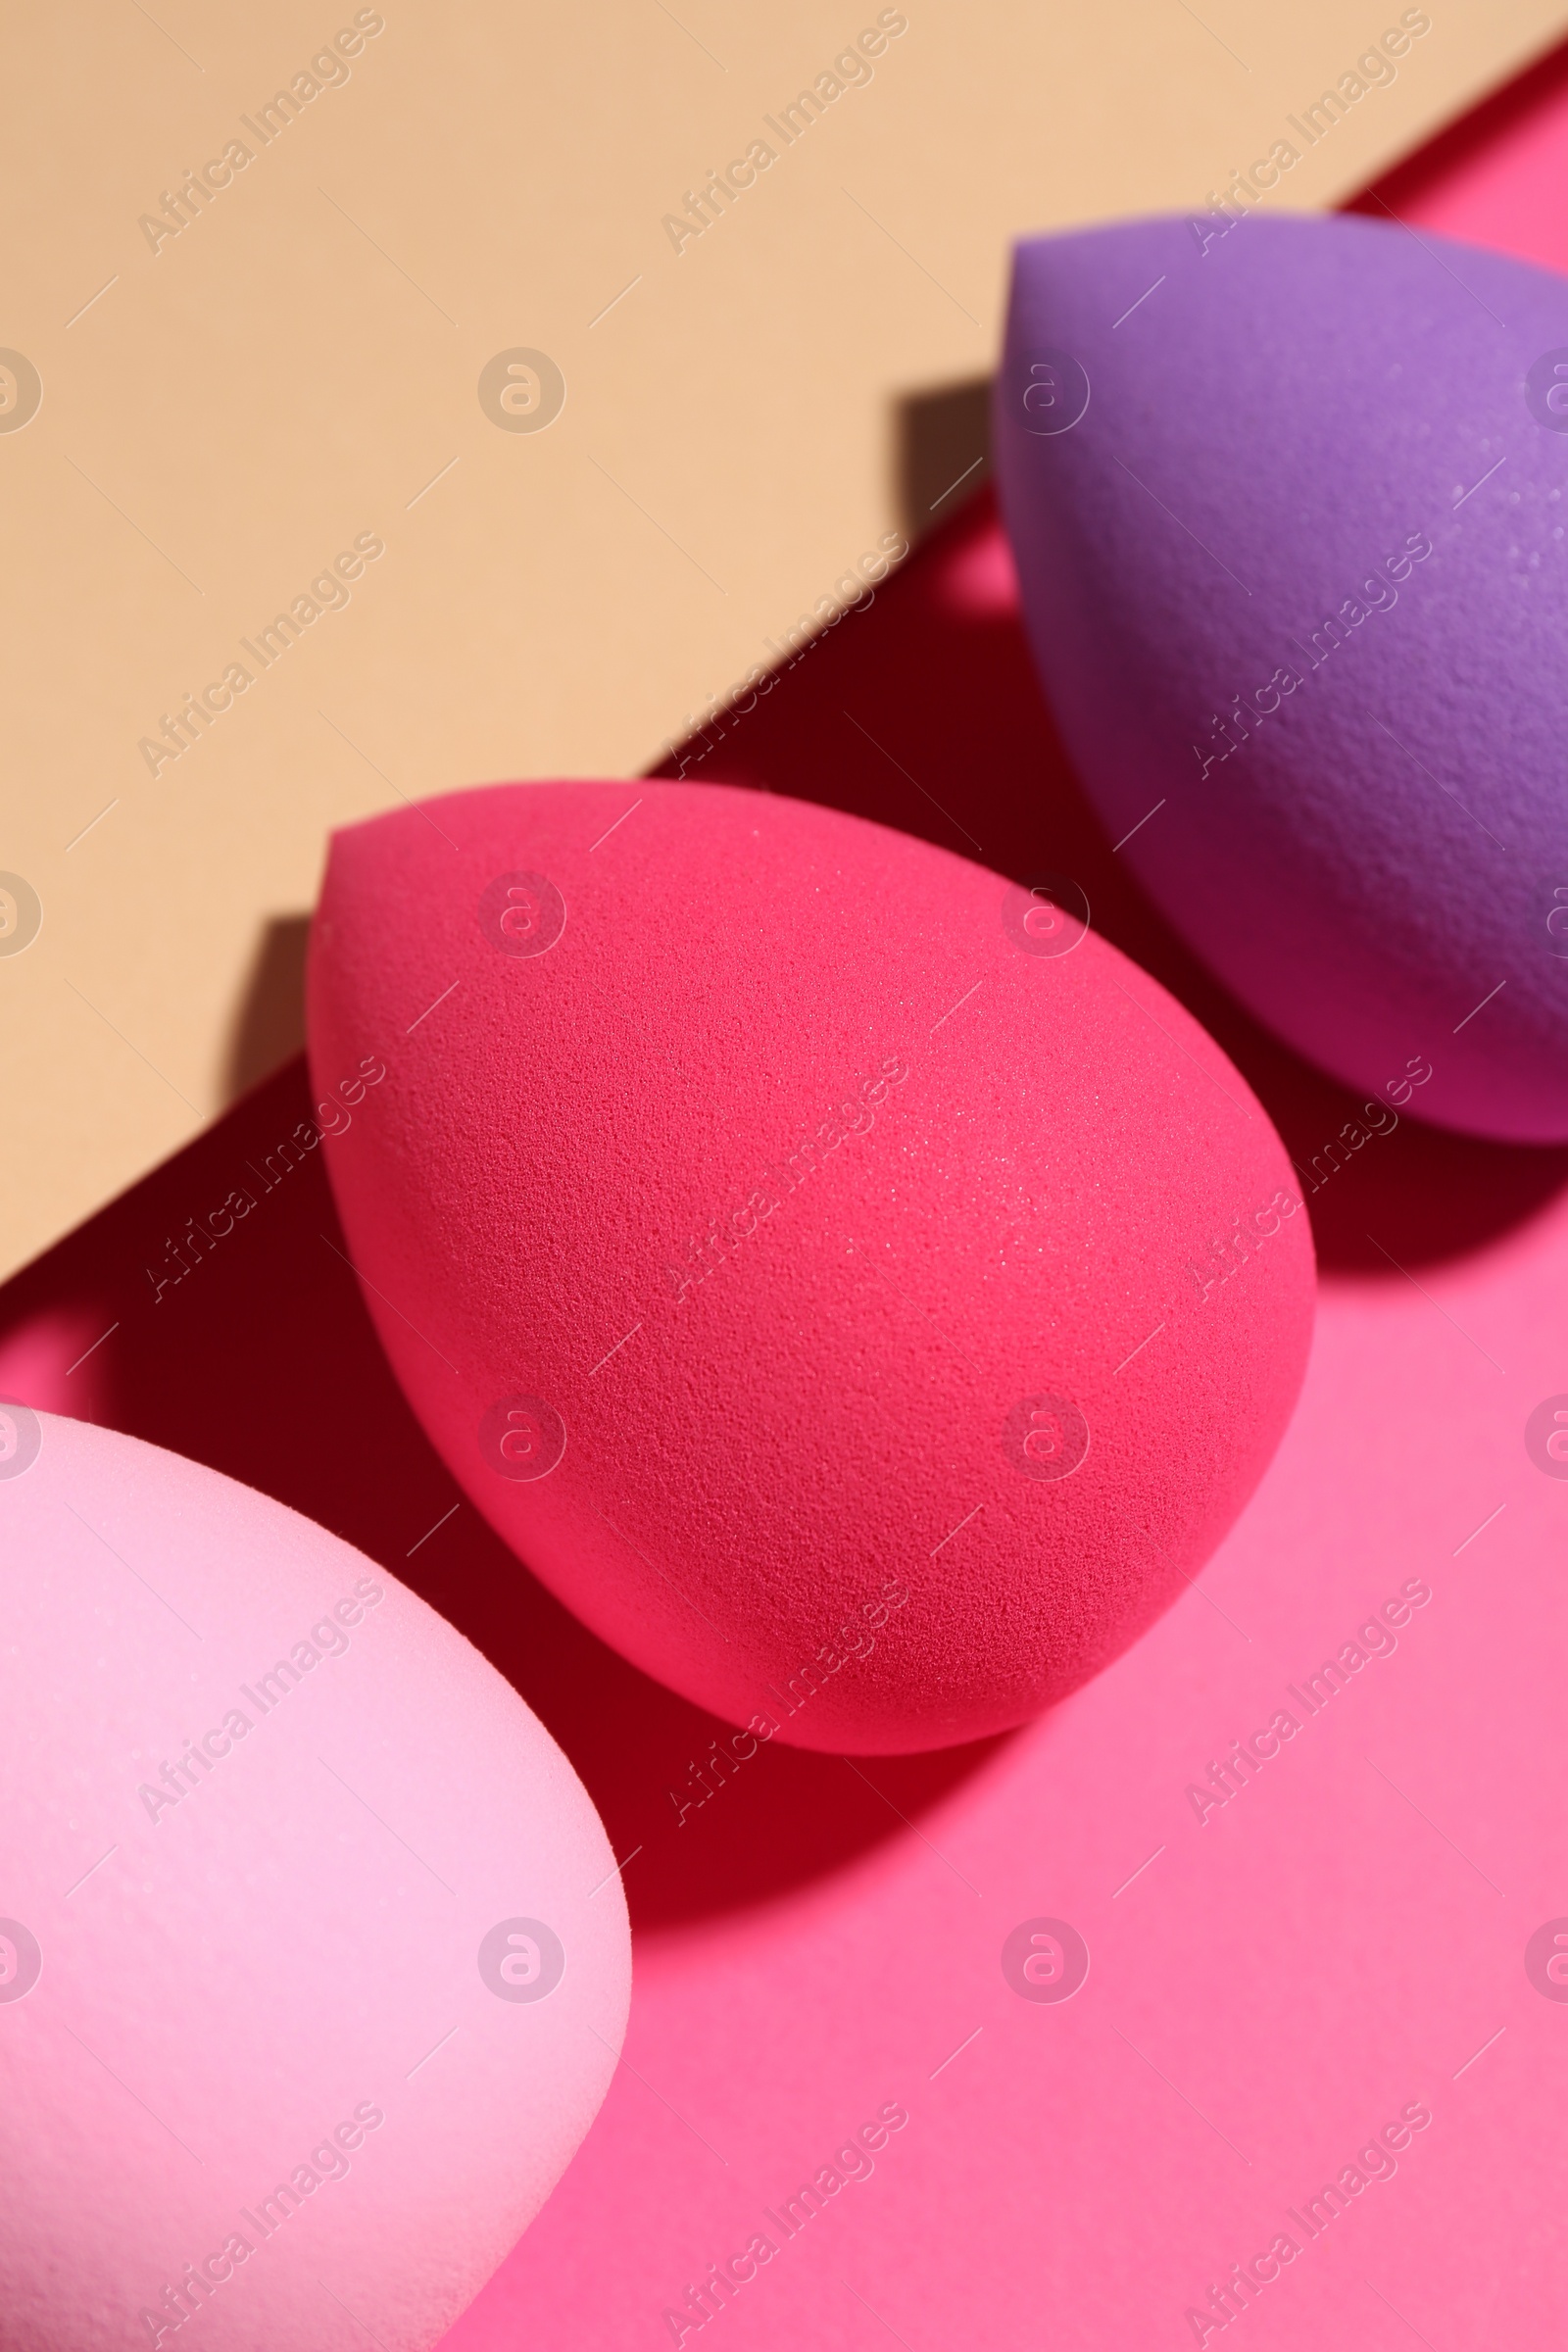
(1498, 176)
(919, 709)
(261, 1362)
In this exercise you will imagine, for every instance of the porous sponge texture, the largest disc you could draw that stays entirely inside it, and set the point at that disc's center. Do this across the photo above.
(1296, 579)
(897, 1293)
(264, 1813)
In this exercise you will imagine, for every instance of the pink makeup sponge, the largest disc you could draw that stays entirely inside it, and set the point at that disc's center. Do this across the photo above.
(313, 1970)
(1289, 500)
(854, 1288)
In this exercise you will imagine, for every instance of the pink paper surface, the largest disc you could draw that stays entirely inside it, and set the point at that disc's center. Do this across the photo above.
(1270, 1985)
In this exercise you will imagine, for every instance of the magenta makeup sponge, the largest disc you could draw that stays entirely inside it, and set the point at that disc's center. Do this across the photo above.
(314, 1968)
(854, 1288)
(1288, 499)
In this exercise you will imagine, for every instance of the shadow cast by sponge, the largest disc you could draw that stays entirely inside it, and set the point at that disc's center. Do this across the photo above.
(918, 709)
(258, 1358)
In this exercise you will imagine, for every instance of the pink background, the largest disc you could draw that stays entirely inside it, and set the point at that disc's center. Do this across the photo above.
(1344, 1937)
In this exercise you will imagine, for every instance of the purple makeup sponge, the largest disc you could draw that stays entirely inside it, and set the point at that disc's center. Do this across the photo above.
(1289, 500)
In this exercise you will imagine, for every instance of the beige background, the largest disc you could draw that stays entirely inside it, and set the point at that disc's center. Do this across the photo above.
(300, 364)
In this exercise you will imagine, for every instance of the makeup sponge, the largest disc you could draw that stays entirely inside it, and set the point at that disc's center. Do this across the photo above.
(854, 1288)
(1288, 499)
(314, 1968)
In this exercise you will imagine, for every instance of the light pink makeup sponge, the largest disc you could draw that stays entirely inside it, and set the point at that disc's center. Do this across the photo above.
(856, 1291)
(307, 1996)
